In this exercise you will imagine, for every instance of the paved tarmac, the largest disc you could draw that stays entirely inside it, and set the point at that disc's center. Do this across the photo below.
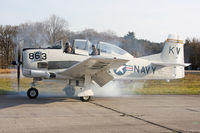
(133, 114)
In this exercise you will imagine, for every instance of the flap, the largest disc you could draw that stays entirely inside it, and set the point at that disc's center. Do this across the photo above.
(102, 78)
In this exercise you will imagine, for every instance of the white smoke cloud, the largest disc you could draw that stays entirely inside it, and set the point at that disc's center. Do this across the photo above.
(111, 89)
(117, 88)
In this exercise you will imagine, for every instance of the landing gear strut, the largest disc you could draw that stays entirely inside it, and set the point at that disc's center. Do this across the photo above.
(86, 91)
(32, 93)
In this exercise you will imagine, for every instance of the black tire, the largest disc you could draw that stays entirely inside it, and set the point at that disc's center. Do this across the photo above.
(32, 93)
(85, 98)
(69, 91)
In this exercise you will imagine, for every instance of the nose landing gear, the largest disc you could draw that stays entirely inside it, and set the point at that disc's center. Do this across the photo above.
(32, 93)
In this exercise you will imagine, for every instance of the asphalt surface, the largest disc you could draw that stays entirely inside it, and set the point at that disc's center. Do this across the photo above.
(146, 113)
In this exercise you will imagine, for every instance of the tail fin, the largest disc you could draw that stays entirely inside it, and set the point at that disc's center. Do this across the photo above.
(173, 53)
(172, 57)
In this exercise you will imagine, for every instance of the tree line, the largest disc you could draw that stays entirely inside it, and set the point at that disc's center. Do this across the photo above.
(55, 28)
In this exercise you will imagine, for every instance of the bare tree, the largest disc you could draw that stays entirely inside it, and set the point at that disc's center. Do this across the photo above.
(94, 36)
(7, 33)
(32, 34)
(56, 28)
(192, 54)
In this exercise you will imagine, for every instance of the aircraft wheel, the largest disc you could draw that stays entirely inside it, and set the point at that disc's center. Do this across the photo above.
(32, 93)
(69, 90)
(85, 98)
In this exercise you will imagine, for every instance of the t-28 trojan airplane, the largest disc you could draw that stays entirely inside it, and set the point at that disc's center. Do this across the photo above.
(80, 68)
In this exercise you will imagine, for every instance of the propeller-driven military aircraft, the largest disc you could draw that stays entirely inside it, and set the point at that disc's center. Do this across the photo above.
(85, 63)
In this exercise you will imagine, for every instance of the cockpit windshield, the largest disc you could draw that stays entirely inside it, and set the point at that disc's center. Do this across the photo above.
(81, 44)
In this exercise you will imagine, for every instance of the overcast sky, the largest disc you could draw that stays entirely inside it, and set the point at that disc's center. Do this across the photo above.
(149, 19)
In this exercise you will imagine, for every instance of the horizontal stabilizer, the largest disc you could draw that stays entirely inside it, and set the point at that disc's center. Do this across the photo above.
(170, 64)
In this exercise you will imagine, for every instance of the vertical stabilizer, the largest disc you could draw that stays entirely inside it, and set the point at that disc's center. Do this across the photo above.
(173, 52)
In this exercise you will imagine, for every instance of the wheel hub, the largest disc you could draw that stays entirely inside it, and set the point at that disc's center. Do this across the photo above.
(86, 97)
(32, 93)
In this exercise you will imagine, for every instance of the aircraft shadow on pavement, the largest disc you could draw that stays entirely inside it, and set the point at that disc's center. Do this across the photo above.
(7, 101)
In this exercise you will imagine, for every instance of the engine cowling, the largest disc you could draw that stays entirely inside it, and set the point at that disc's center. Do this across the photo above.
(42, 74)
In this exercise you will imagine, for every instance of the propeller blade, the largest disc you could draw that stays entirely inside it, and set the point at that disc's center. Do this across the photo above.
(18, 76)
(18, 66)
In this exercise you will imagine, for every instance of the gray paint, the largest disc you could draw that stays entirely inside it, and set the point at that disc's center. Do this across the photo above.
(61, 64)
(57, 64)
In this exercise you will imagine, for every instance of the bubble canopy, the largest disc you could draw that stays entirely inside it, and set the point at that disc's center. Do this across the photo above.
(103, 48)
(111, 49)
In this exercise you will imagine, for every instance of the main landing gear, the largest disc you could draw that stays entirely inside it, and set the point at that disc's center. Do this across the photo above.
(70, 92)
(85, 98)
(86, 91)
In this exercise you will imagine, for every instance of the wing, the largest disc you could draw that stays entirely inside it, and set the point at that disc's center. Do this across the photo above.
(97, 67)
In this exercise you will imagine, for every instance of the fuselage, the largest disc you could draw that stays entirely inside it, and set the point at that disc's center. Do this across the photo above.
(54, 60)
